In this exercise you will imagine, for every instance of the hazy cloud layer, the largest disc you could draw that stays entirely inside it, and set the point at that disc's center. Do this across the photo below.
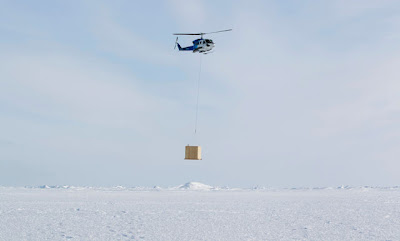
(300, 93)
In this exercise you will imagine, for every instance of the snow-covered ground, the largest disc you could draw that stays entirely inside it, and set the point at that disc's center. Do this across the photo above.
(195, 211)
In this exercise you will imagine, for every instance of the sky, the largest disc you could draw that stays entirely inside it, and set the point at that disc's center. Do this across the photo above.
(299, 94)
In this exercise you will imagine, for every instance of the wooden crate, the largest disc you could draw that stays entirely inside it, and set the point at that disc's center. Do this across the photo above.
(192, 152)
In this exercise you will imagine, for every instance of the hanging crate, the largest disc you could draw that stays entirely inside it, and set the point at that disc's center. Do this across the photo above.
(192, 152)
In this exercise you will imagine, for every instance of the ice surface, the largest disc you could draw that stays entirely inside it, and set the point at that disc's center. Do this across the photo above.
(197, 212)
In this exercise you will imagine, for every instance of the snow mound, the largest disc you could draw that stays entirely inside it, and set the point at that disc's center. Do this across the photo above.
(195, 186)
(157, 188)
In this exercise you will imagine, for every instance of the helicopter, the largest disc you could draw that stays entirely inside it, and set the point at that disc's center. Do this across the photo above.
(199, 45)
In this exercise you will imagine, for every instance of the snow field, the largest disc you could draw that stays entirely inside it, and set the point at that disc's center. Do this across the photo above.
(184, 214)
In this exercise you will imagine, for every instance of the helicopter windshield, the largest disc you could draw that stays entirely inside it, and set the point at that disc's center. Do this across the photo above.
(209, 41)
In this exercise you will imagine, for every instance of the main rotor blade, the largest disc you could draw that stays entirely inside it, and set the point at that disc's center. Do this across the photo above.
(219, 31)
(202, 33)
(187, 34)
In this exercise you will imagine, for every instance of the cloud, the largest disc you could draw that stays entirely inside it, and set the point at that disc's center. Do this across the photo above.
(112, 36)
(65, 110)
(351, 9)
(78, 88)
(190, 15)
(304, 104)
(295, 95)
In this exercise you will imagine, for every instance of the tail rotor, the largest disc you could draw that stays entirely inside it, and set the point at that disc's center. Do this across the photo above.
(176, 42)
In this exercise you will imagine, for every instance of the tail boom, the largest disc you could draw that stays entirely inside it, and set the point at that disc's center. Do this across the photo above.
(189, 48)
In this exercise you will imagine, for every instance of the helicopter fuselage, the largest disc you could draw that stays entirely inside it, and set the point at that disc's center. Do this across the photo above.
(199, 46)
(202, 45)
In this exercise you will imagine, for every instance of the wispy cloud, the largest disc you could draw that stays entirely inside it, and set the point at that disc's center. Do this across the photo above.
(71, 87)
(190, 15)
(301, 96)
(113, 37)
